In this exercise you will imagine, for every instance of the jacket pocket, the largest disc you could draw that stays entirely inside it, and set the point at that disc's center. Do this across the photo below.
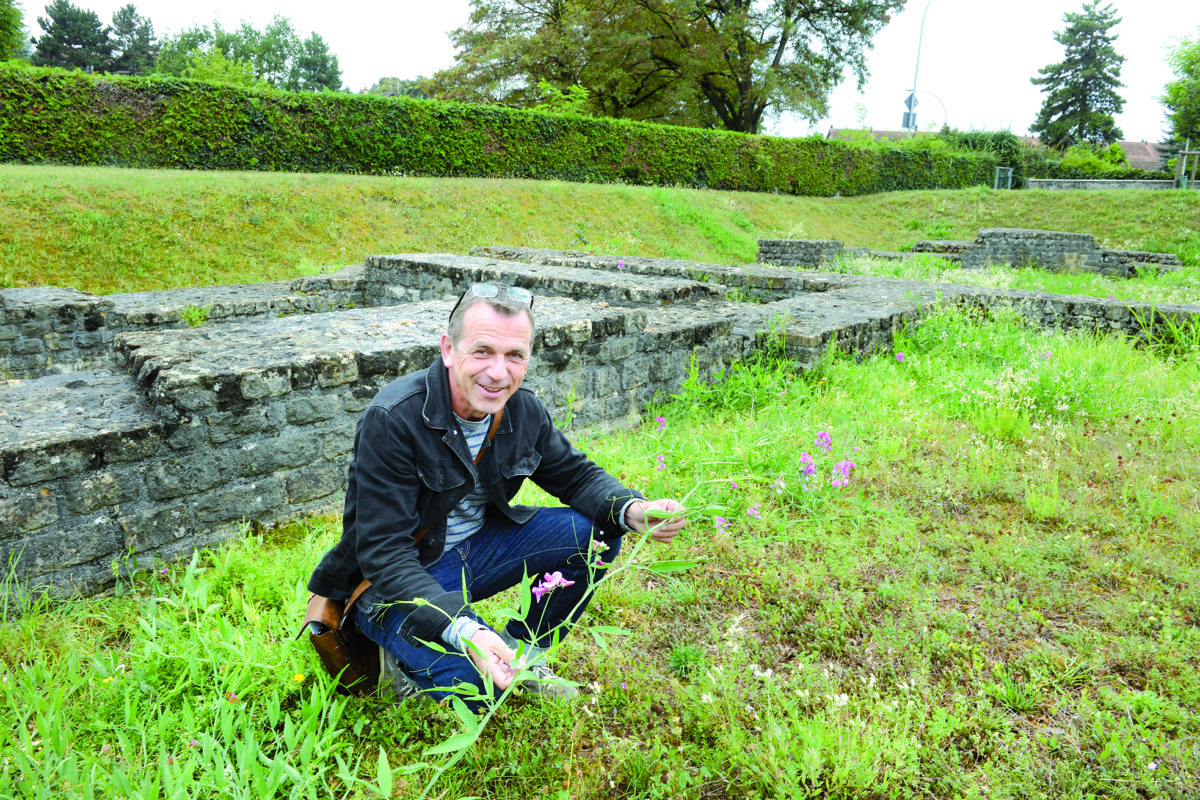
(440, 477)
(522, 467)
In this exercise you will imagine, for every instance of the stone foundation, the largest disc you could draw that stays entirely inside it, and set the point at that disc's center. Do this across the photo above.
(134, 435)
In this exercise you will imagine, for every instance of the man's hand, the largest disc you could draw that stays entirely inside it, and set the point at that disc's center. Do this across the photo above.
(656, 516)
(492, 657)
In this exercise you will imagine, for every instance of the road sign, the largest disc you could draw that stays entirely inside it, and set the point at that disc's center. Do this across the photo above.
(910, 120)
(910, 102)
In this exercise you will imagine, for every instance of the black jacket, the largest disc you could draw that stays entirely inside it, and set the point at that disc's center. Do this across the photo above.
(411, 467)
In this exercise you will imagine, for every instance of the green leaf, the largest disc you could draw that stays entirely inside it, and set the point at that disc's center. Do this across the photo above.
(459, 741)
(667, 567)
(468, 719)
(383, 774)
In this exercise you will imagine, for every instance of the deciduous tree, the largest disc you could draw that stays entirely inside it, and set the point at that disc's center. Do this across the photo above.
(710, 63)
(399, 87)
(1081, 90)
(73, 38)
(12, 30)
(1183, 94)
(275, 54)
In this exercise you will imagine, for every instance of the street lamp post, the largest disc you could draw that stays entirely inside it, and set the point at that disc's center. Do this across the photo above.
(910, 116)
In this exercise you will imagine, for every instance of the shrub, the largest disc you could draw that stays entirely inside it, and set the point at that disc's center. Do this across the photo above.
(73, 118)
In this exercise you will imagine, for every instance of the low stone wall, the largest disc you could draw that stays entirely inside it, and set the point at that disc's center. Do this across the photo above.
(798, 252)
(1053, 250)
(51, 330)
(187, 434)
(1068, 184)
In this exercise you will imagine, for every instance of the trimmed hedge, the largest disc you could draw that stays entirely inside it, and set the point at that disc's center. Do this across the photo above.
(55, 116)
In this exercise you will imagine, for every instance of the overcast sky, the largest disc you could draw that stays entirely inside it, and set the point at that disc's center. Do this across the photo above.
(976, 58)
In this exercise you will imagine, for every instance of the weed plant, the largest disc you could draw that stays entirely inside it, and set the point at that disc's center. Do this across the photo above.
(964, 568)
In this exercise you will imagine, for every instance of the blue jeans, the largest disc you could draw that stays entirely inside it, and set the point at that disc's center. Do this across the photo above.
(497, 557)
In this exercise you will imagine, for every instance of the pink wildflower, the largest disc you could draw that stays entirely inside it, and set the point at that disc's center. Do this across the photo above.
(551, 581)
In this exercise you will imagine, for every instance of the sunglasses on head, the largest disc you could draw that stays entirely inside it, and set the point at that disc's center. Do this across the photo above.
(515, 293)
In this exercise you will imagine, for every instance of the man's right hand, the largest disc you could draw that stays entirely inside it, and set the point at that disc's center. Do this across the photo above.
(492, 657)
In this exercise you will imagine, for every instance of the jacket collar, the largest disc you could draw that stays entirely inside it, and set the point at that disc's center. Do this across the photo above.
(437, 411)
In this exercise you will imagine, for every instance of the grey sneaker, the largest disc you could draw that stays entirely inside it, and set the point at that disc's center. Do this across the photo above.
(546, 683)
(394, 682)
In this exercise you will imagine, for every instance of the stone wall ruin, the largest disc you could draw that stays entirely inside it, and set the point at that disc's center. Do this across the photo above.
(126, 433)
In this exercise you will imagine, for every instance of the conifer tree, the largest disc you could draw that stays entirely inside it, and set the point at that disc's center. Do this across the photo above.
(73, 38)
(1081, 90)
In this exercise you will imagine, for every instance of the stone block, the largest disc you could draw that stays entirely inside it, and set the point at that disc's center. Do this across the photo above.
(268, 383)
(337, 371)
(44, 464)
(190, 434)
(99, 489)
(26, 511)
(307, 410)
(244, 502)
(256, 419)
(155, 527)
(267, 456)
(317, 481)
(56, 548)
(337, 440)
(178, 477)
(359, 397)
(135, 446)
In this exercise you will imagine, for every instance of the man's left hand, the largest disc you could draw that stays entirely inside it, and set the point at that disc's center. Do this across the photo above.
(663, 518)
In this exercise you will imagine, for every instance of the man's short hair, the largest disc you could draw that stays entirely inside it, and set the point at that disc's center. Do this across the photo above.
(501, 302)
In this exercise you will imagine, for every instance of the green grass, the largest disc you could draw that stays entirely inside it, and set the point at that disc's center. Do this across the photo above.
(114, 230)
(1002, 602)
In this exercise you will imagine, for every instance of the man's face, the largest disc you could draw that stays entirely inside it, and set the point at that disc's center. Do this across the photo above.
(488, 365)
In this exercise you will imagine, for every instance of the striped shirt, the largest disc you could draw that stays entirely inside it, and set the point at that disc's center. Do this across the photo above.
(467, 516)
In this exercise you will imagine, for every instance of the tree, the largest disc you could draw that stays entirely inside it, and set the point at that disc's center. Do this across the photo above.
(73, 38)
(175, 52)
(133, 42)
(315, 69)
(1183, 94)
(12, 31)
(276, 54)
(708, 63)
(1081, 90)
(214, 67)
(399, 87)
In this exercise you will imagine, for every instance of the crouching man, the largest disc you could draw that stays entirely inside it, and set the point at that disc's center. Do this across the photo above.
(438, 456)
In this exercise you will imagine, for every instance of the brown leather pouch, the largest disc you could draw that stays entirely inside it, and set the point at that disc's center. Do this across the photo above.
(347, 653)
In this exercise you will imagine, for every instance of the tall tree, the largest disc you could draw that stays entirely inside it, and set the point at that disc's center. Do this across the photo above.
(709, 63)
(12, 30)
(1183, 94)
(175, 52)
(73, 38)
(314, 68)
(134, 47)
(276, 55)
(1081, 90)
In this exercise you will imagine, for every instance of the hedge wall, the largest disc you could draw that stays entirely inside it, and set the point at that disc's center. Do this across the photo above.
(55, 116)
